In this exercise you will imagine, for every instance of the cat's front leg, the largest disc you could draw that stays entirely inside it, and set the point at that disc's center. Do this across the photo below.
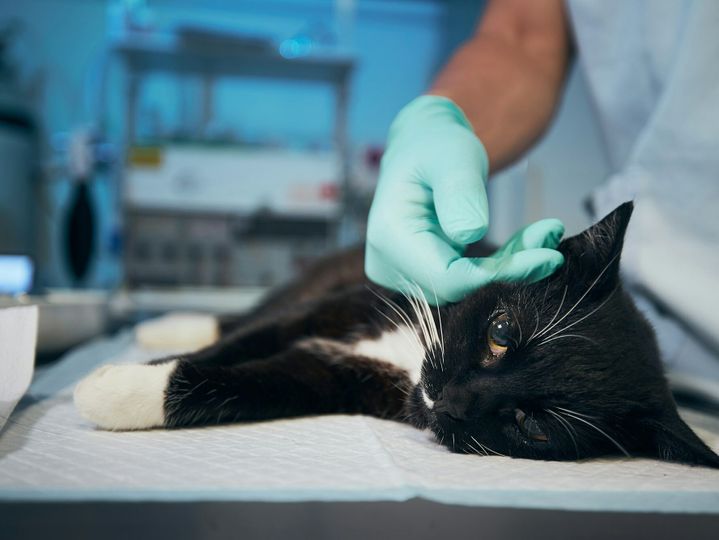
(333, 317)
(125, 397)
(316, 376)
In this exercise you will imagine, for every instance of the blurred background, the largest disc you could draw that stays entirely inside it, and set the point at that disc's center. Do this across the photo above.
(171, 154)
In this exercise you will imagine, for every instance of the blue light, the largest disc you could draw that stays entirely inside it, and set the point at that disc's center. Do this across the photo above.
(296, 47)
(15, 274)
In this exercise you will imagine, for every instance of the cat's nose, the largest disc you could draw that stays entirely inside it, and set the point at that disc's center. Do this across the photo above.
(452, 402)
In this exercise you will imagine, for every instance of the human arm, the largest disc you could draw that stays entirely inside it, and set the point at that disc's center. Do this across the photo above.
(508, 77)
(431, 200)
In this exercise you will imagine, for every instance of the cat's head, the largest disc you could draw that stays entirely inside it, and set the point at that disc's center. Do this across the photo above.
(565, 368)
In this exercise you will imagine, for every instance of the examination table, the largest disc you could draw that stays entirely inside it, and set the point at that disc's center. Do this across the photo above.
(324, 477)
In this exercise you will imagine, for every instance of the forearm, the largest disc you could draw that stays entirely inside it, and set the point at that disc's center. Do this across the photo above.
(508, 77)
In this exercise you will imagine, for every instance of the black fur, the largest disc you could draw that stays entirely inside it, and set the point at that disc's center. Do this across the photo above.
(582, 376)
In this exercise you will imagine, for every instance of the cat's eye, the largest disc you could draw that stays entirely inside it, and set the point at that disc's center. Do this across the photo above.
(529, 426)
(500, 334)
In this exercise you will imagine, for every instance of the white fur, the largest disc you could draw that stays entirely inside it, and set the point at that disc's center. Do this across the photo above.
(425, 397)
(125, 397)
(178, 331)
(398, 347)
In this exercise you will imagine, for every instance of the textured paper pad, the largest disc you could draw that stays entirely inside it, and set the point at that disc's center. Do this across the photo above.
(47, 452)
(18, 335)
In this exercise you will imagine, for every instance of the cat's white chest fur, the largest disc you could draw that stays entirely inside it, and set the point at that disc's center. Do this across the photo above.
(400, 347)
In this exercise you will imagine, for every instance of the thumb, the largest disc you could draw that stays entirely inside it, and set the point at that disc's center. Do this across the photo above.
(460, 202)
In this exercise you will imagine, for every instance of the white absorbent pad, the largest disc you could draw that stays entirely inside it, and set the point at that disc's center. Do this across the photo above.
(48, 452)
(18, 336)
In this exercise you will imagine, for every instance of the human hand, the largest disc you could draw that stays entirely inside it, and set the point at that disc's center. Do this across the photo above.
(431, 202)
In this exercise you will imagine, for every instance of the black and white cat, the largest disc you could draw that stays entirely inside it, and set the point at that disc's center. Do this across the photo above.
(565, 368)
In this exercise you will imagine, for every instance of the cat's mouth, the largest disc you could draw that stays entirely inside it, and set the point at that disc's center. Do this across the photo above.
(441, 414)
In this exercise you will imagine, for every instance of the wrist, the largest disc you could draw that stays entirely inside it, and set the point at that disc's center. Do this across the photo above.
(427, 110)
(430, 124)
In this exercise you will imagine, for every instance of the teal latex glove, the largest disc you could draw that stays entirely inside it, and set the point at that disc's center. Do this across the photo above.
(431, 202)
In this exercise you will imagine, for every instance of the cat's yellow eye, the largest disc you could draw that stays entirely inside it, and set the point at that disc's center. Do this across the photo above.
(529, 426)
(500, 334)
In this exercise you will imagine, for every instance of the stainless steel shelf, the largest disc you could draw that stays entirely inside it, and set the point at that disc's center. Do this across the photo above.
(177, 58)
(231, 57)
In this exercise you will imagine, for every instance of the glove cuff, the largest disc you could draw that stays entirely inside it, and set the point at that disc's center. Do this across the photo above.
(428, 108)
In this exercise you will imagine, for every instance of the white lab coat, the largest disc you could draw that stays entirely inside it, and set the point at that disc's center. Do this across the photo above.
(652, 67)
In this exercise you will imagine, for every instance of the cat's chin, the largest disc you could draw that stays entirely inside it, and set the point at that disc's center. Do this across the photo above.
(125, 397)
(429, 403)
(416, 410)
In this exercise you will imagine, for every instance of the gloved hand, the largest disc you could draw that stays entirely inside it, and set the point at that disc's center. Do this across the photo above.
(431, 202)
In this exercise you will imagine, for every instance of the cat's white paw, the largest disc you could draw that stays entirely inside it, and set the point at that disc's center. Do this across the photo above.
(125, 397)
(178, 331)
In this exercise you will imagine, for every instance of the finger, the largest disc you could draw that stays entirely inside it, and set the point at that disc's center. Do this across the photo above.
(423, 260)
(468, 274)
(546, 233)
(461, 205)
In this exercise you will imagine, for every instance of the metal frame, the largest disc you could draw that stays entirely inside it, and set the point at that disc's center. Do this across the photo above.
(145, 56)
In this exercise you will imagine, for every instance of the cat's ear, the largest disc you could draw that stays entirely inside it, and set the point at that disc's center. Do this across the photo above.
(595, 253)
(671, 439)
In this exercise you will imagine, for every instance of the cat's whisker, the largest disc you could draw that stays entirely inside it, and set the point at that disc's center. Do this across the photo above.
(564, 409)
(579, 336)
(536, 325)
(519, 326)
(430, 336)
(583, 318)
(409, 332)
(481, 450)
(564, 296)
(441, 336)
(596, 280)
(426, 324)
(593, 426)
(567, 427)
(389, 319)
(568, 424)
(427, 312)
(495, 452)
(415, 296)
(438, 338)
(403, 390)
(425, 337)
(439, 317)
(546, 290)
(474, 450)
(422, 299)
(405, 318)
(419, 315)
(438, 332)
(483, 447)
(406, 331)
(467, 444)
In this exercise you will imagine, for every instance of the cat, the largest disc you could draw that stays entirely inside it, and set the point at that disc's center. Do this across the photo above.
(562, 369)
